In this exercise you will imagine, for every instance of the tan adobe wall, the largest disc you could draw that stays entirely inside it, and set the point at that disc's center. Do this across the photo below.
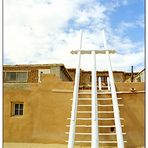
(72, 73)
(33, 71)
(63, 76)
(85, 78)
(119, 77)
(55, 71)
(46, 112)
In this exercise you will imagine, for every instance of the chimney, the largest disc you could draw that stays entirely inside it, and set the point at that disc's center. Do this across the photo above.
(132, 77)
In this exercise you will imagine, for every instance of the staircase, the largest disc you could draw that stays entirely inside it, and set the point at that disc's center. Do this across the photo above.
(106, 124)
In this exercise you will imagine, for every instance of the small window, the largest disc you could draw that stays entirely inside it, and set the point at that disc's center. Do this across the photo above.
(17, 109)
(22, 76)
(16, 76)
(104, 80)
(11, 76)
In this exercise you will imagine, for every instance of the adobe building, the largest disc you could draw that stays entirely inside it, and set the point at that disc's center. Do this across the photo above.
(85, 79)
(37, 105)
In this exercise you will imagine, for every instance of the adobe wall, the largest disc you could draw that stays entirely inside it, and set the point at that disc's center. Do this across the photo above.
(55, 71)
(85, 78)
(72, 73)
(33, 72)
(63, 75)
(46, 112)
(119, 77)
(133, 113)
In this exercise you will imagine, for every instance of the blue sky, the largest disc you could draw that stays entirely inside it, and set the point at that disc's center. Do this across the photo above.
(45, 31)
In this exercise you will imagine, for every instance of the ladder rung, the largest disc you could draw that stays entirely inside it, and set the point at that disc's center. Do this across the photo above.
(101, 112)
(103, 86)
(98, 118)
(109, 142)
(97, 99)
(106, 126)
(108, 134)
(80, 133)
(84, 105)
(100, 134)
(101, 142)
(81, 118)
(98, 93)
(101, 105)
(80, 125)
(100, 126)
(106, 105)
(82, 141)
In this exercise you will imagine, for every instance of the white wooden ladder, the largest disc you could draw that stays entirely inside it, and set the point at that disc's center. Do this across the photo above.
(95, 134)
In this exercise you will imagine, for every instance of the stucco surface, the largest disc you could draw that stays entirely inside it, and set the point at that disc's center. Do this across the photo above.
(46, 112)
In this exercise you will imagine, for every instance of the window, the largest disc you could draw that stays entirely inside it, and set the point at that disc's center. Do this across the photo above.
(16, 76)
(17, 109)
(104, 79)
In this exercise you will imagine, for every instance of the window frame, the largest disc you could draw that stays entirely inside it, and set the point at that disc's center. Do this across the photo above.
(103, 80)
(13, 109)
(17, 80)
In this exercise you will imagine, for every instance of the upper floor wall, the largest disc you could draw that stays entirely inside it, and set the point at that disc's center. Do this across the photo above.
(33, 73)
(85, 78)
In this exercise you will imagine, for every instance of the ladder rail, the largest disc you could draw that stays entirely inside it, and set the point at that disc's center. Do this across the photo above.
(120, 141)
(74, 105)
(94, 118)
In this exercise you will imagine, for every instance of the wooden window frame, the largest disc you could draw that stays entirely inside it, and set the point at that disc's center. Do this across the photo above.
(20, 110)
(5, 76)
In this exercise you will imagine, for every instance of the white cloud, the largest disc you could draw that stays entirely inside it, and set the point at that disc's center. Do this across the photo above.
(124, 26)
(124, 2)
(43, 31)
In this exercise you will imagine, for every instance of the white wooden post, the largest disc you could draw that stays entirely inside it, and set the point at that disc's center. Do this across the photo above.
(75, 99)
(120, 141)
(108, 83)
(74, 105)
(95, 138)
(100, 87)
